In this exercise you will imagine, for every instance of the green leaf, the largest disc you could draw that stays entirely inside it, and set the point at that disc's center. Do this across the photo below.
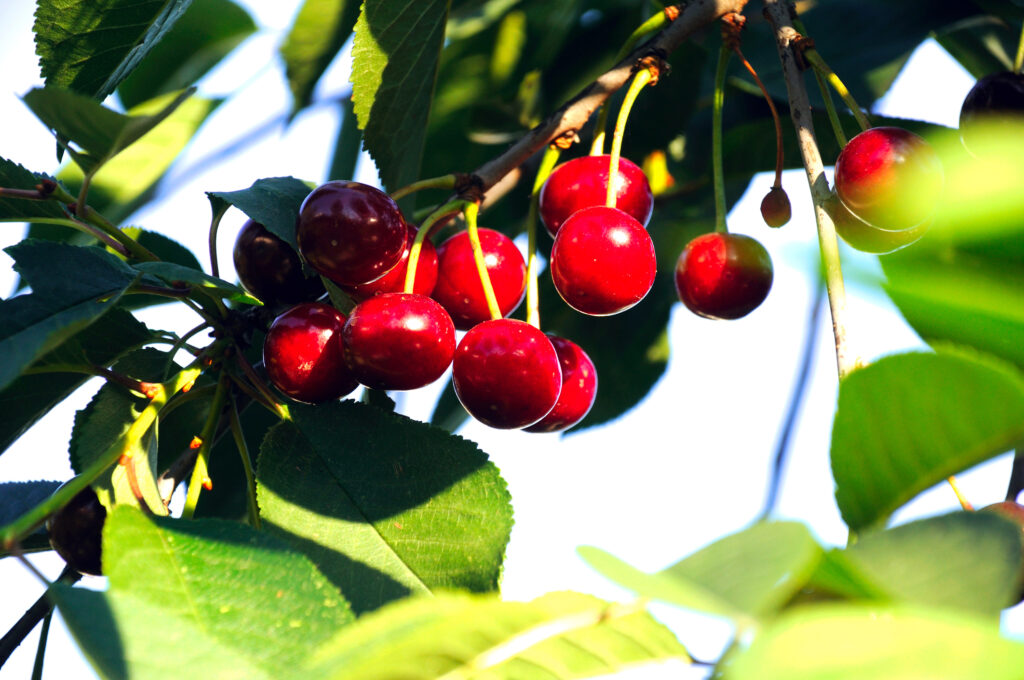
(14, 176)
(177, 276)
(317, 35)
(71, 288)
(747, 575)
(206, 33)
(394, 65)
(90, 46)
(383, 504)
(559, 635)
(965, 560)
(99, 132)
(909, 421)
(853, 642)
(17, 498)
(274, 202)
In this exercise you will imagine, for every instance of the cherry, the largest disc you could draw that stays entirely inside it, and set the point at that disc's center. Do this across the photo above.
(305, 356)
(270, 269)
(398, 341)
(867, 238)
(350, 232)
(1014, 512)
(76, 532)
(394, 280)
(458, 286)
(602, 261)
(723, 276)
(506, 373)
(889, 177)
(579, 388)
(583, 183)
(775, 207)
(995, 104)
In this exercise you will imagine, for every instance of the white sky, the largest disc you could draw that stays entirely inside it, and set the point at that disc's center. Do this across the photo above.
(685, 467)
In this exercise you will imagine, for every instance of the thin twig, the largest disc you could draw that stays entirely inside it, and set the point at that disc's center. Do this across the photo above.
(31, 618)
(1016, 476)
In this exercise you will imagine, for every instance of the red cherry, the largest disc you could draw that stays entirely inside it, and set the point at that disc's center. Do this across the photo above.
(506, 373)
(305, 356)
(579, 388)
(602, 261)
(867, 238)
(775, 207)
(583, 183)
(889, 177)
(76, 531)
(350, 232)
(394, 280)
(723, 276)
(398, 341)
(458, 286)
(270, 269)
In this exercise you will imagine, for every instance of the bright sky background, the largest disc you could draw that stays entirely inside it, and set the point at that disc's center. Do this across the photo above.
(685, 467)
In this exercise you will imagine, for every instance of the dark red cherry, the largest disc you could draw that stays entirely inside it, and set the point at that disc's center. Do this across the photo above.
(76, 532)
(506, 373)
(583, 183)
(579, 388)
(458, 286)
(723, 276)
(270, 269)
(350, 232)
(994, 107)
(305, 356)
(394, 280)
(867, 238)
(775, 207)
(602, 261)
(398, 341)
(889, 177)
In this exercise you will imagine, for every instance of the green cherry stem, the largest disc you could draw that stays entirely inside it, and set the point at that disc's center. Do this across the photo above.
(1018, 60)
(716, 138)
(436, 216)
(443, 182)
(547, 164)
(640, 80)
(819, 65)
(243, 451)
(218, 213)
(200, 473)
(44, 635)
(826, 96)
(470, 211)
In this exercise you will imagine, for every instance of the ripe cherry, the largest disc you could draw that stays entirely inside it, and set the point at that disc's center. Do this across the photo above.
(459, 289)
(602, 261)
(506, 373)
(889, 177)
(994, 107)
(579, 388)
(76, 532)
(305, 356)
(350, 232)
(867, 238)
(394, 280)
(583, 183)
(723, 276)
(270, 269)
(398, 341)
(775, 207)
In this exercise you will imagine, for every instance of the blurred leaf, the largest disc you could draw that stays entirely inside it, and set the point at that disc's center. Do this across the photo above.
(559, 635)
(747, 575)
(371, 496)
(90, 46)
(274, 202)
(317, 35)
(394, 66)
(909, 421)
(853, 642)
(206, 33)
(14, 176)
(347, 146)
(982, 47)
(177, 275)
(17, 498)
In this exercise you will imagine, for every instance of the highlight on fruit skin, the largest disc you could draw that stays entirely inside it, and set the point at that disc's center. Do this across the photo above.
(723, 275)
(775, 207)
(867, 238)
(579, 388)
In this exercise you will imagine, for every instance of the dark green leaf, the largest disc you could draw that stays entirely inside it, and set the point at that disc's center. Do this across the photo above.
(14, 176)
(178, 276)
(909, 421)
(90, 46)
(347, 145)
(373, 496)
(17, 498)
(274, 202)
(317, 35)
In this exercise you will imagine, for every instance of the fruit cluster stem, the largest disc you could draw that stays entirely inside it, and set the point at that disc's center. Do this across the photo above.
(200, 471)
(424, 231)
(443, 182)
(471, 211)
(547, 164)
(243, 451)
(819, 65)
(640, 80)
(716, 138)
(826, 95)
(1018, 59)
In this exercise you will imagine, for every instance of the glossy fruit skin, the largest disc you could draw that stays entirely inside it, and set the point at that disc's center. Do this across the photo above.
(866, 238)
(579, 388)
(394, 280)
(458, 286)
(583, 183)
(350, 232)
(269, 268)
(602, 261)
(889, 177)
(723, 276)
(775, 208)
(398, 341)
(997, 102)
(76, 532)
(506, 373)
(305, 356)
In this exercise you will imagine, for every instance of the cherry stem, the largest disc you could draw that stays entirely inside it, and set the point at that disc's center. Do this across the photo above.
(1018, 60)
(218, 213)
(470, 211)
(200, 473)
(964, 503)
(547, 164)
(826, 96)
(44, 635)
(1016, 484)
(243, 451)
(779, 157)
(136, 249)
(263, 394)
(716, 138)
(642, 78)
(445, 210)
(443, 182)
(815, 60)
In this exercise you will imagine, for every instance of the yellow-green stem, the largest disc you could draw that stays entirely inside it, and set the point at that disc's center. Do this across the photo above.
(819, 65)
(547, 164)
(964, 503)
(826, 96)
(243, 450)
(1018, 60)
(470, 211)
(443, 182)
(200, 474)
(640, 80)
(716, 138)
(421, 235)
